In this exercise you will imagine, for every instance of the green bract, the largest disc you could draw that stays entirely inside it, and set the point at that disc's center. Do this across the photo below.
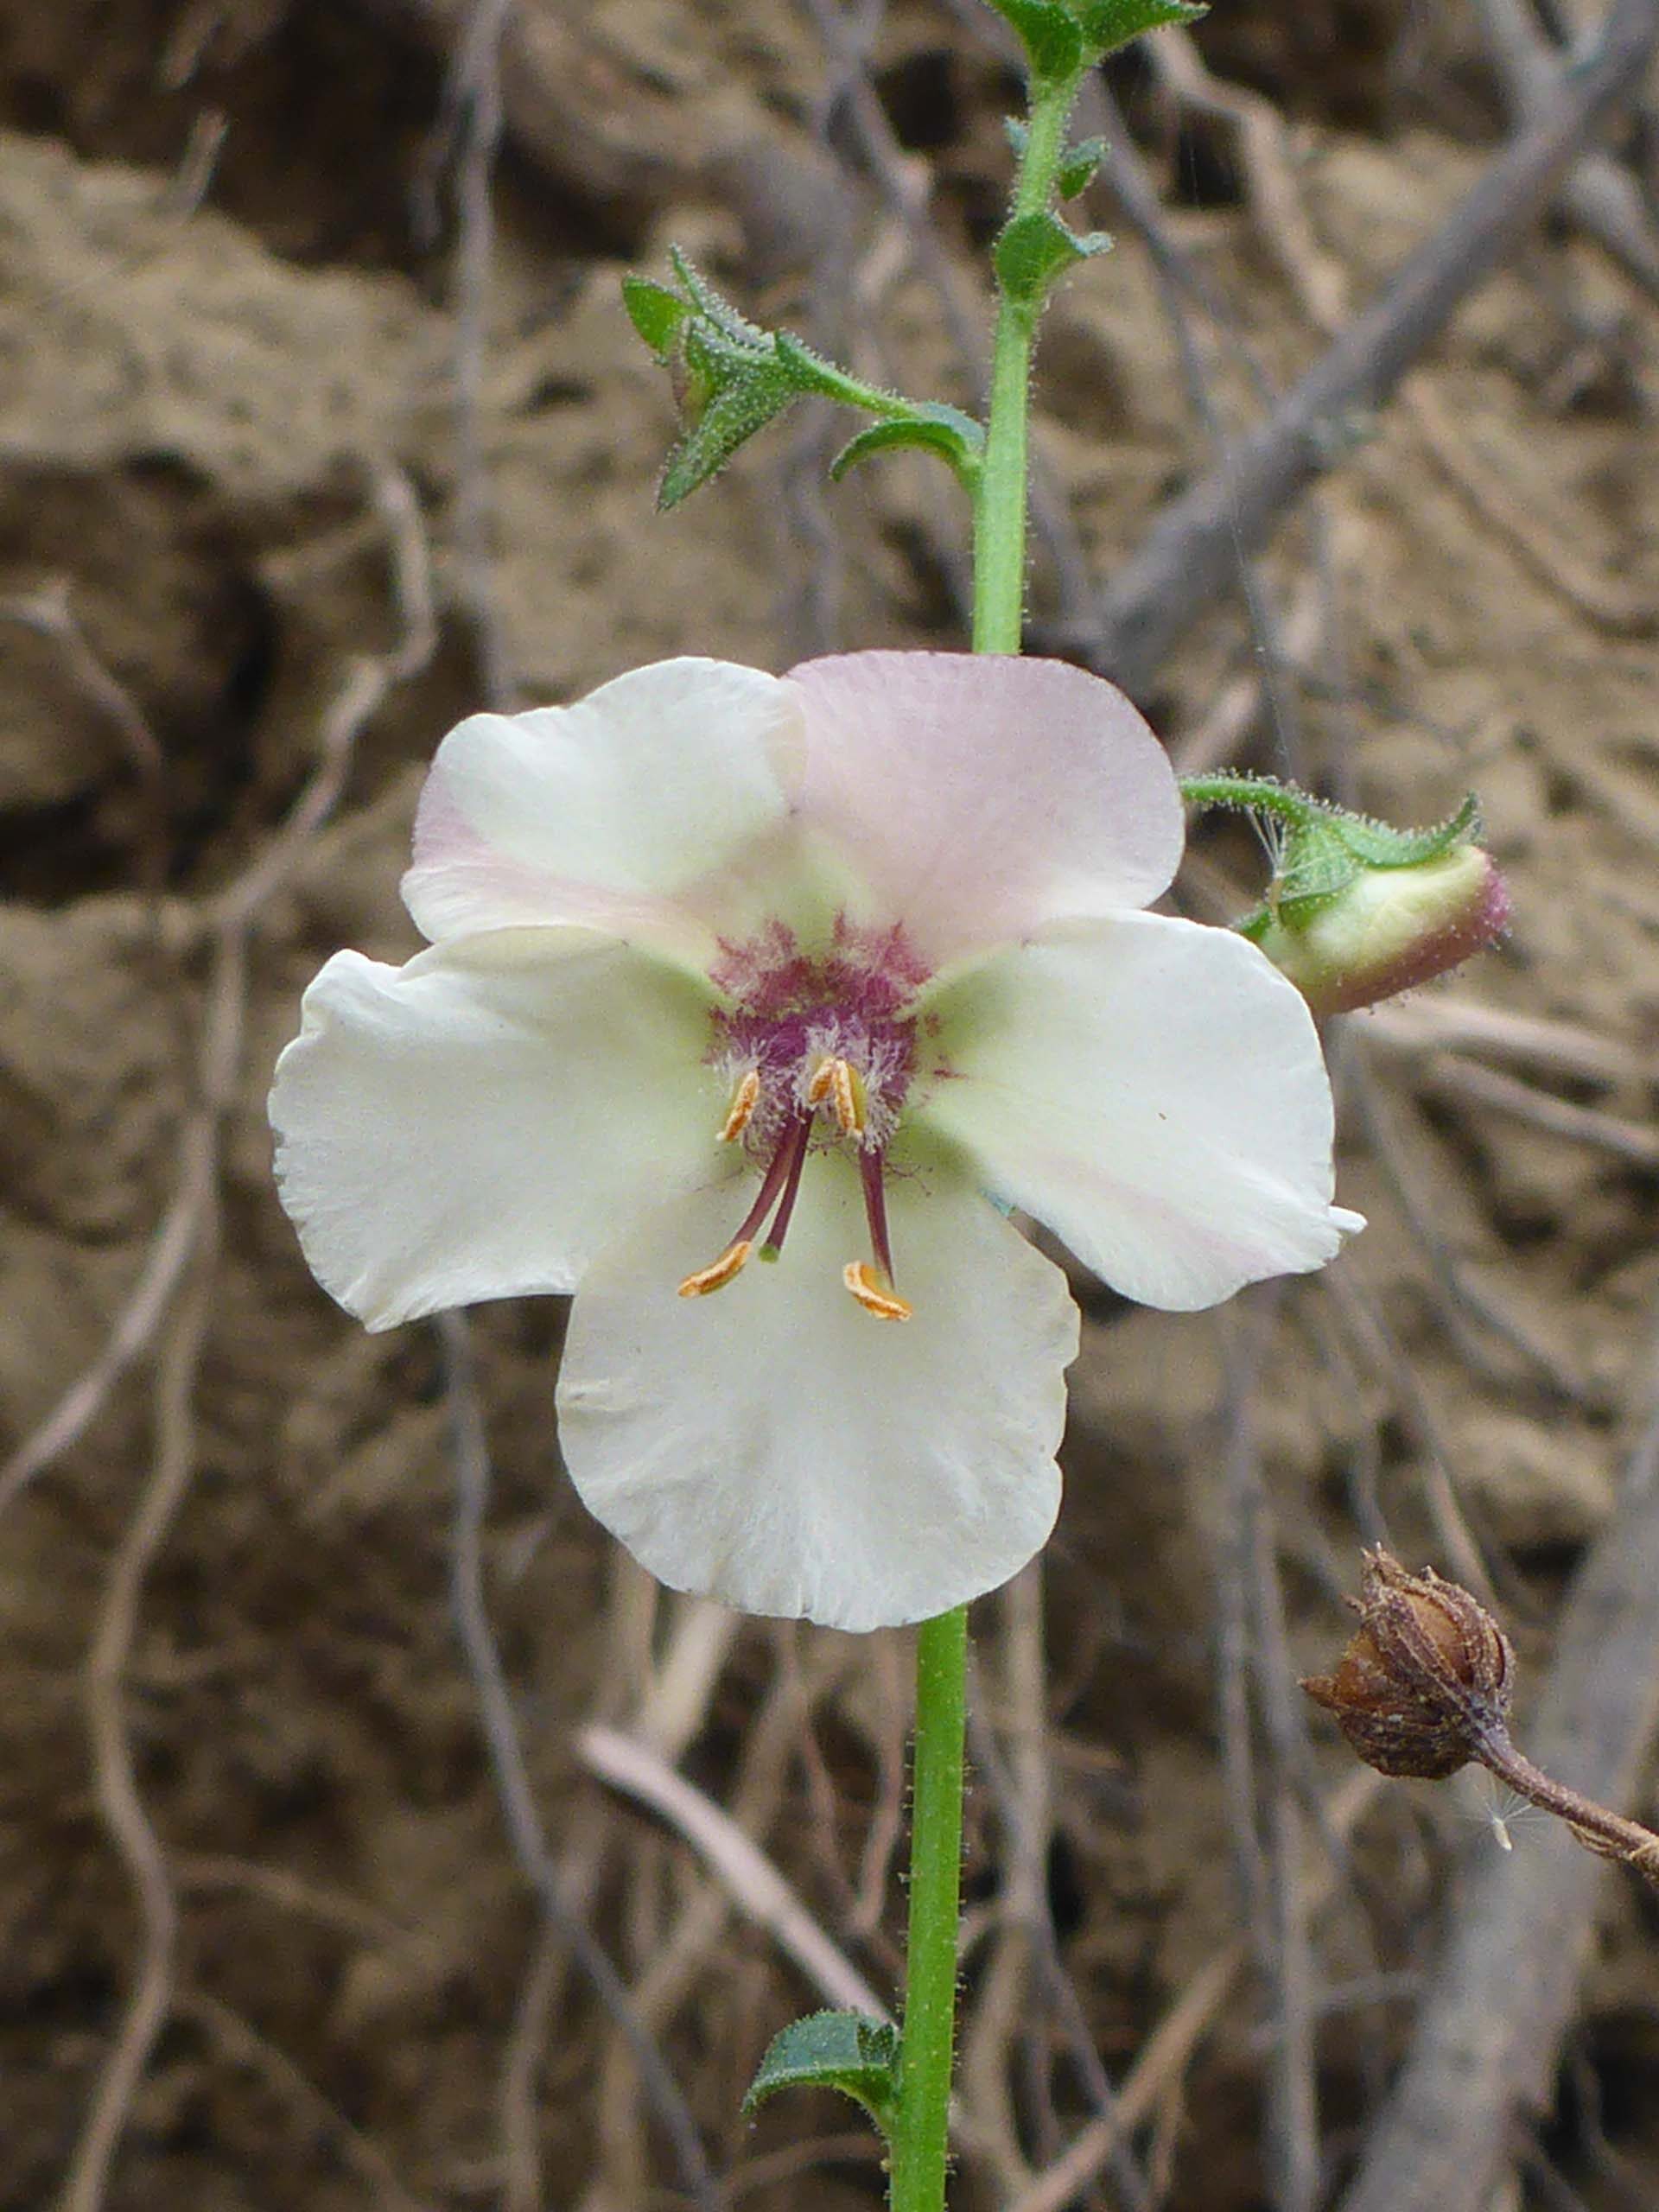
(846, 2051)
(1061, 38)
(1033, 251)
(731, 379)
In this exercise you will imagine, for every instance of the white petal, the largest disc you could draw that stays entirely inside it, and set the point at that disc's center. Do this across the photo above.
(982, 795)
(1154, 1091)
(478, 1123)
(627, 810)
(774, 1446)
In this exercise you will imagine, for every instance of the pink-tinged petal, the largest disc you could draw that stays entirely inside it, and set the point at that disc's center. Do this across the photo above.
(633, 811)
(1153, 1091)
(478, 1123)
(776, 1447)
(980, 796)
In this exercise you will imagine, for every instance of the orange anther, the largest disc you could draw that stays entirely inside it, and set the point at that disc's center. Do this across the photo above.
(744, 1100)
(872, 1295)
(719, 1272)
(840, 1082)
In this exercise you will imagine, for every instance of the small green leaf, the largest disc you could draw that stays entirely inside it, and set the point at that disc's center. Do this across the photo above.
(717, 312)
(731, 379)
(1050, 35)
(1031, 251)
(1108, 24)
(728, 420)
(1382, 846)
(1315, 866)
(1078, 169)
(846, 2051)
(809, 372)
(956, 438)
(656, 312)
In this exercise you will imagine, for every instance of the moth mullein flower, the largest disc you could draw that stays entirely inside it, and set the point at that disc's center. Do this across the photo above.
(742, 994)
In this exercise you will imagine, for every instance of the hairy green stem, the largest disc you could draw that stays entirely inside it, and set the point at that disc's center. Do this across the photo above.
(1252, 794)
(921, 2120)
(919, 2140)
(999, 500)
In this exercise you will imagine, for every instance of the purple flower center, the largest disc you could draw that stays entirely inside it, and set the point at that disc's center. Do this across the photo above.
(820, 1049)
(791, 1014)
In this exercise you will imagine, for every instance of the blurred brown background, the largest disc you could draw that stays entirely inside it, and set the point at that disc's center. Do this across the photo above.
(302, 454)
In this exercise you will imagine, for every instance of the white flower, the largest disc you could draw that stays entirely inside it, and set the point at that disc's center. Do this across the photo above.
(723, 962)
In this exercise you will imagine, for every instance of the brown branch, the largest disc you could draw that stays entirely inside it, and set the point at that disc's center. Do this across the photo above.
(1445, 1021)
(149, 2000)
(135, 1329)
(1067, 2024)
(753, 1883)
(1267, 1826)
(1604, 200)
(1636, 1141)
(1191, 554)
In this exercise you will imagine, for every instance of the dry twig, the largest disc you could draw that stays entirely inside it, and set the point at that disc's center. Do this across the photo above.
(513, 1780)
(1266, 1826)
(1191, 554)
(1602, 198)
(1168, 2050)
(123, 1810)
(1635, 1141)
(241, 2045)
(753, 1883)
(367, 684)
(1321, 287)
(1443, 1020)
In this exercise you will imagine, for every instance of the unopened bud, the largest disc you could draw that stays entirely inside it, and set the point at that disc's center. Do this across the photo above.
(1390, 929)
(1424, 1687)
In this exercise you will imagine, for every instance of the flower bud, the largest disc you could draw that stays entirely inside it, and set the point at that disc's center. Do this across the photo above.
(1424, 1687)
(1390, 929)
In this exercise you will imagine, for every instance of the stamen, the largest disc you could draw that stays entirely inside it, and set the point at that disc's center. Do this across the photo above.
(774, 1243)
(851, 1105)
(742, 1111)
(719, 1272)
(876, 1211)
(872, 1295)
(782, 1174)
(839, 1082)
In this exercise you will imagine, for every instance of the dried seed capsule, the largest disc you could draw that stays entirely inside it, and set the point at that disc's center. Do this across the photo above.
(1424, 1687)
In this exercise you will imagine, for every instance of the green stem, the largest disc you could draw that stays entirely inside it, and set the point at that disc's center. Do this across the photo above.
(1253, 795)
(920, 2122)
(1000, 502)
(832, 382)
(919, 2140)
